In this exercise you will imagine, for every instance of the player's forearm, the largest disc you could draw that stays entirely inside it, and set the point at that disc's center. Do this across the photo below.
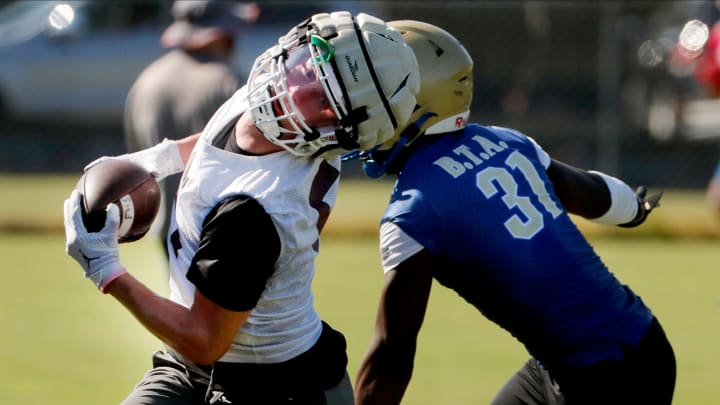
(597, 196)
(163, 159)
(581, 192)
(167, 320)
(378, 391)
(378, 384)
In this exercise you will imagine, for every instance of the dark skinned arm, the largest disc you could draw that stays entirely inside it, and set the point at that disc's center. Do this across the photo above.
(586, 194)
(388, 364)
(581, 192)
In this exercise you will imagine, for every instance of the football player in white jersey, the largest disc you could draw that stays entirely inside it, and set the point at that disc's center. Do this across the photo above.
(257, 187)
(484, 211)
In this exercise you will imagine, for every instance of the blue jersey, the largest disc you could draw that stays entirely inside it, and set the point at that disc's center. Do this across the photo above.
(480, 200)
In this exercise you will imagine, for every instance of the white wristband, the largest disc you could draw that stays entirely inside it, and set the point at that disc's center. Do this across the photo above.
(161, 160)
(623, 202)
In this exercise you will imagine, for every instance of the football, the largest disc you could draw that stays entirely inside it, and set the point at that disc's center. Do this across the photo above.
(133, 189)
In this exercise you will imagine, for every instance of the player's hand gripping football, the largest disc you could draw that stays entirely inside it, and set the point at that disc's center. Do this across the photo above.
(161, 160)
(645, 206)
(97, 252)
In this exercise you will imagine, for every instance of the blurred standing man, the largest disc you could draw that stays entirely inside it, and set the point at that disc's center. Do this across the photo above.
(707, 73)
(484, 211)
(177, 94)
(713, 192)
(259, 183)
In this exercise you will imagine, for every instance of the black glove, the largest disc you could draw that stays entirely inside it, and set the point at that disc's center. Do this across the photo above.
(645, 206)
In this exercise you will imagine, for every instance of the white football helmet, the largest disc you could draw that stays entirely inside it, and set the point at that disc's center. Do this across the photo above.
(364, 76)
(443, 104)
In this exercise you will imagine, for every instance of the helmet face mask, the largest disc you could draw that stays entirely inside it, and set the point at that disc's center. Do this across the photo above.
(277, 82)
(360, 74)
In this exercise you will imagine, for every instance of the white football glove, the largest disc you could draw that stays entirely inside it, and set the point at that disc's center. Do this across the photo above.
(161, 160)
(97, 252)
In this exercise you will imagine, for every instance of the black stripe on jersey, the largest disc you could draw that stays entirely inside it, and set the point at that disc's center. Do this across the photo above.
(239, 246)
(324, 179)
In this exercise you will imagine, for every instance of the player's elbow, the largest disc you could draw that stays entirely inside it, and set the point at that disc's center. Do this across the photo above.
(203, 350)
(206, 357)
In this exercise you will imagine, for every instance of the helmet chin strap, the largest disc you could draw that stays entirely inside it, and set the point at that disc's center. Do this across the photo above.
(374, 166)
(375, 169)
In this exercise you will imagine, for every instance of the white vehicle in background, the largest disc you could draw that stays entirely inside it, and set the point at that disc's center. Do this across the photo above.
(74, 61)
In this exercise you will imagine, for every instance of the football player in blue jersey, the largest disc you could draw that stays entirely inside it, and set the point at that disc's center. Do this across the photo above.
(485, 211)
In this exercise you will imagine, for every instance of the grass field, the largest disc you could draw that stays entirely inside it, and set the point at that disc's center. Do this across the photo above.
(62, 342)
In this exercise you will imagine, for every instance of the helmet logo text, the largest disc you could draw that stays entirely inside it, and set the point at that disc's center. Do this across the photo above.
(353, 68)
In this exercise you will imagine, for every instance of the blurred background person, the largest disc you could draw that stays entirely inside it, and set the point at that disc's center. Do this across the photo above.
(713, 192)
(707, 73)
(177, 93)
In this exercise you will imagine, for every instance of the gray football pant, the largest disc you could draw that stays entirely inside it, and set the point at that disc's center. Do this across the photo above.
(530, 385)
(171, 383)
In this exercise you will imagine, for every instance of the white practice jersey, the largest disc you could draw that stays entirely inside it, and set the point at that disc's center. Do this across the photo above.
(284, 322)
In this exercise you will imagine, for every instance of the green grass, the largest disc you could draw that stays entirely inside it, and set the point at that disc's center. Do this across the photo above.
(33, 203)
(62, 342)
(65, 343)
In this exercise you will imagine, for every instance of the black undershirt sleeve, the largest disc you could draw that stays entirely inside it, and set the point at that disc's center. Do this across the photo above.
(581, 192)
(239, 246)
